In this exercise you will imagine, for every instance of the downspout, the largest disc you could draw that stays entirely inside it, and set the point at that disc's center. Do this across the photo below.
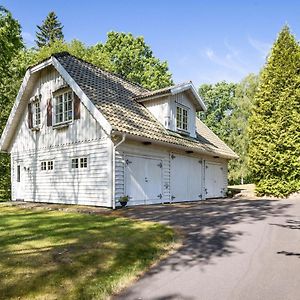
(114, 169)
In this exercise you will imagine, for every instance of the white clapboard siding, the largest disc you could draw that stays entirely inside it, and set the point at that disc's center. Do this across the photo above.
(63, 184)
(84, 129)
(160, 108)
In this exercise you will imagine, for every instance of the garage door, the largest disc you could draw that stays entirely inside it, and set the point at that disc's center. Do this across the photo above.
(185, 178)
(143, 180)
(214, 180)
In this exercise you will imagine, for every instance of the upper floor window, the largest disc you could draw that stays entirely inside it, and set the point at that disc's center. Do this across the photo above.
(63, 111)
(36, 113)
(182, 118)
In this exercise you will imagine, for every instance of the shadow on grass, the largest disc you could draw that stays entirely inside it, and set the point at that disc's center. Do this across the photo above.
(73, 256)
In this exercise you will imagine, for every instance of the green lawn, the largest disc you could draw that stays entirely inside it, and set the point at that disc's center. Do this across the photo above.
(59, 255)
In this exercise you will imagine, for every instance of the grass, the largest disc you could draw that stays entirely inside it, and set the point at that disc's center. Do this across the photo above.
(59, 255)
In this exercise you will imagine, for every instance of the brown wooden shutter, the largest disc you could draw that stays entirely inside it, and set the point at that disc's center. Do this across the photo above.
(76, 107)
(30, 120)
(49, 112)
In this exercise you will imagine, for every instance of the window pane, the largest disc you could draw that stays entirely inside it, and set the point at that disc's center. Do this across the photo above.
(43, 165)
(64, 107)
(50, 165)
(75, 163)
(18, 173)
(83, 162)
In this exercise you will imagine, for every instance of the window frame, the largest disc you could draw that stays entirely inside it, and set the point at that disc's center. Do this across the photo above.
(36, 112)
(55, 97)
(180, 122)
(79, 159)
(47, 165)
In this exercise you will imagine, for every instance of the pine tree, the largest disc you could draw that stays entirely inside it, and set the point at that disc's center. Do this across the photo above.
(49, 31)
(274, 125)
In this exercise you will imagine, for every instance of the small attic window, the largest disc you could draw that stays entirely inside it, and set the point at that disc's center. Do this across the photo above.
(182, 118)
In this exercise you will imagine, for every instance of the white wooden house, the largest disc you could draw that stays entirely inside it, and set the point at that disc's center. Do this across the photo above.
(81, 135)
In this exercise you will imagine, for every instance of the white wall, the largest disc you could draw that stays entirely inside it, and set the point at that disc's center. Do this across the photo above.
(164, 109)
(84, 137)
(161, 109)
(63, 184)
(84, 129)
(164, 153)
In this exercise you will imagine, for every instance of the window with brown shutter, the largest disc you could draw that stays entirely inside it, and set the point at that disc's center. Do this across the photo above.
(49, 112)
(76, 107)
(30, 123)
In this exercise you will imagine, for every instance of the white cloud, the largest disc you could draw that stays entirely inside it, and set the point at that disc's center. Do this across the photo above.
(262, 47)
(230, 60)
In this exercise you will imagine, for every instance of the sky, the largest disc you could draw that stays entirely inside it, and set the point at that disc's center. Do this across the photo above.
(203, 41)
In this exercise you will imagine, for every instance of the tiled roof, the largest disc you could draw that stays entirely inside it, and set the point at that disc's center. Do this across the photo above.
(115, 99)
(159, 92)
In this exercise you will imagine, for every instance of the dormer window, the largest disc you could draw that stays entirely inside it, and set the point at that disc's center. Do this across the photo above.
(63, 109)
(182, 118)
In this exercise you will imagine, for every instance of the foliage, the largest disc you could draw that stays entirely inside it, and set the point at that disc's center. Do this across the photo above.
(219, 101)
(11, 40)
(50, 31)
(238, 140)
(10, 43)
(274, 127)
(59, 255)
(133, 59)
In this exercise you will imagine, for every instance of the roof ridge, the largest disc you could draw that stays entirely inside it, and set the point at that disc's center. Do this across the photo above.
(64, 53)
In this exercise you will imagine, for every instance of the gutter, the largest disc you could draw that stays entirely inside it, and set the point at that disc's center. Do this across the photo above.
(113, 200)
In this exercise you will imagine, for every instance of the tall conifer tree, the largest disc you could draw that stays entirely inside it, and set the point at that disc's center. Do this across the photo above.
(275, 123)
(49, 31)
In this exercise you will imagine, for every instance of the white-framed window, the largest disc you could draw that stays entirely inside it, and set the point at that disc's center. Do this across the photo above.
(50, 165)
(79, 163)
(181, 118)
(36, 107)
(43, 166)
(63, 107)
(47, 165)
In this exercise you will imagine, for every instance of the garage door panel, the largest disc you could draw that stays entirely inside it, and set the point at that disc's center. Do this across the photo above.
(214, 180)
(135, 175)
(185, 178)
(143, 179)
(195, 187)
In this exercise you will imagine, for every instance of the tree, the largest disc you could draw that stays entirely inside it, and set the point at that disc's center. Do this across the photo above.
(219, 101)
(274, 127)
(50, 31)
(10, 40)
(10, 44)
(238, 140)
(131, 58)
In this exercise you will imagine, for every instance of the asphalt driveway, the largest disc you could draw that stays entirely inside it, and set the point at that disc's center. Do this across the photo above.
(233, 249)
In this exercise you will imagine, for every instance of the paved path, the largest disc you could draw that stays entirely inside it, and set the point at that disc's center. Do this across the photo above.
(232, 250)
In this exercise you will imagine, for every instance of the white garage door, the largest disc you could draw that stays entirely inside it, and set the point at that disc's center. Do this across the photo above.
(143, 180)
(185, 178)
(214, 180)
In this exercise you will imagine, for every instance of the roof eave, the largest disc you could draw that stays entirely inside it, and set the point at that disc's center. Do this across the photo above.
(176, 146)
(189, 86)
